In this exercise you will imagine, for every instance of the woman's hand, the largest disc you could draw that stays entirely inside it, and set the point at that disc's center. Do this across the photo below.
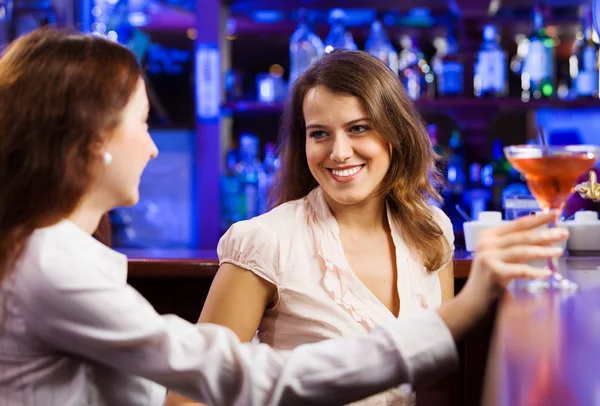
(502, 255)
(503, 252)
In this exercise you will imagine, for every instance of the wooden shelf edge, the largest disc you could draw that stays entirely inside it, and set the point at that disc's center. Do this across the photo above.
(206, 269)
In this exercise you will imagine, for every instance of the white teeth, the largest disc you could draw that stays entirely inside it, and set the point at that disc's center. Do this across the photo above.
(347, 172)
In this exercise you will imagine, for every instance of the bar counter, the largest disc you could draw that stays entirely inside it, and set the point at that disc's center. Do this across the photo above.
(546, 347)
(164, 263)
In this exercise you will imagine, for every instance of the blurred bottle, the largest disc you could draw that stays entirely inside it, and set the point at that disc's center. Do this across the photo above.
(251, 175)
(538, 74)
(232, 203)
(339, 37)
(415, 73)
(305, 48)
(271, 167)
(380, 46)
(449, 68)
(502, 174)
(517, 201)
(440, 150)
(456, 179)
(478, 193)
(491, 79)
(583, 63)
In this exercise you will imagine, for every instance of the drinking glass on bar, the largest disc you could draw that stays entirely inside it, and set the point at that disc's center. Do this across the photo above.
(551, 173)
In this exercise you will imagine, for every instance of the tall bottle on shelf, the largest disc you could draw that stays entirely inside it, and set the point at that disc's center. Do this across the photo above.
(491, 75)
(380, 46)
(456, 178)
(449, 67)
(442, 156)
(583, 63)
(251, 175)
(538, 74)
(415, 72)
(339, 37)
(479, 192)
(503, 173)
(271, 167)
(232, 203)
(305, 47)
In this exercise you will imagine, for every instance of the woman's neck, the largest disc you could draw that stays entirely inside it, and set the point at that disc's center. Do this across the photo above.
(87, 216)
(365, 217)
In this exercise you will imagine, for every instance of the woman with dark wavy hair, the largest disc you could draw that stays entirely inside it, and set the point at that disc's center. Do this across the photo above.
(354, 240)
(73, 145)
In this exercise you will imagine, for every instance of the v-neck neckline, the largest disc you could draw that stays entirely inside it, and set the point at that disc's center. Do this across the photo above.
(340, 281)
(402, 281)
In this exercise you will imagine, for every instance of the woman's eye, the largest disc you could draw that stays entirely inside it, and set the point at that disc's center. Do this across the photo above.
(318, 134)
(357, 129)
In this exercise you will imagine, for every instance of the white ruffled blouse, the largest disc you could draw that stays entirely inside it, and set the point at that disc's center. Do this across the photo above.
(297, 248)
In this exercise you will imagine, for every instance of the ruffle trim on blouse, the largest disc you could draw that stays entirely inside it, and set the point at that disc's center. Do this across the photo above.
(337, 278)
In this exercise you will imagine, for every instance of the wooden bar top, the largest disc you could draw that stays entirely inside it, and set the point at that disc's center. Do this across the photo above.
(545, 348)
(188, 263)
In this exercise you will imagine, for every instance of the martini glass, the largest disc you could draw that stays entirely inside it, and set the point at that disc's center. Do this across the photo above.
(551, 173)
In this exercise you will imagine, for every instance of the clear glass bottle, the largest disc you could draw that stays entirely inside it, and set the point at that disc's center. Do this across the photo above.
(339, 37)
(538, 74)
(380, 46)
(415, 73)
(251, 175)
(491, 73)
(305, 48)
(449, 68)
(583, 63)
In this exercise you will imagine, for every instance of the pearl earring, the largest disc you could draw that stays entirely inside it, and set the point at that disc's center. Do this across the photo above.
(107, 158)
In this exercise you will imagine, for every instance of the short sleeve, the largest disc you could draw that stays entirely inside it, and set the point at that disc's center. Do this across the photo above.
(445, 224)
(252, 246)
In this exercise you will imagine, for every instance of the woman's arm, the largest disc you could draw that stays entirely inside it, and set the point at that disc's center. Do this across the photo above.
(87, 313)
(446, 277)
(237, 299)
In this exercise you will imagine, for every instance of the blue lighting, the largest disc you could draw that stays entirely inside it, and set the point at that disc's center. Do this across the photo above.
(267, 16)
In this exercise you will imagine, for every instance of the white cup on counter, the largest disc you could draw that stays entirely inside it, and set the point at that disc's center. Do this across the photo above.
(584, 232)
(491, 219)
(473, 229)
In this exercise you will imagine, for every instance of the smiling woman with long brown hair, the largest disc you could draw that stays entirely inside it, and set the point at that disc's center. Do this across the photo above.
(354, 240)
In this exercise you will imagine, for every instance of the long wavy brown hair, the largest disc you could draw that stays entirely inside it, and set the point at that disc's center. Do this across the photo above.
(412, 180)
(61, 95)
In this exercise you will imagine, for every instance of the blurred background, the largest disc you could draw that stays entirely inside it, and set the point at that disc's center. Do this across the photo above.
(484, 74)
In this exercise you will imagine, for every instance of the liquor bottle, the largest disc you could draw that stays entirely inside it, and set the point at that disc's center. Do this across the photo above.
(380, 46)
(339, 37)
(449, 68)
(251, 175)
(305, 48)
(271, 167)
(491, 78)
(583, 63)
(231, 193)
(478, 194)
(415, 73)
(538, 74)
(454, 194)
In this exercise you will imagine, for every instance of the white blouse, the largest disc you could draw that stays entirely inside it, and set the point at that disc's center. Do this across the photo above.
(297, 248)
(73, 332)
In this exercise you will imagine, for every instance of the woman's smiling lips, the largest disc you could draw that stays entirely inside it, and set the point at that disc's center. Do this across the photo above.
(345, 173)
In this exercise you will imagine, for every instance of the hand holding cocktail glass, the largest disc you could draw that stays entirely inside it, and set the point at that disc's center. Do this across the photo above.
(551, 173)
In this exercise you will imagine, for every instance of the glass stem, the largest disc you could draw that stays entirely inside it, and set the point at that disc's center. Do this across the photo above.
(553, 262)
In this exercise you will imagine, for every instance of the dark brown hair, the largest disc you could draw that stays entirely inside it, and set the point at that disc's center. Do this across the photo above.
(61, 94)
(412, 179)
